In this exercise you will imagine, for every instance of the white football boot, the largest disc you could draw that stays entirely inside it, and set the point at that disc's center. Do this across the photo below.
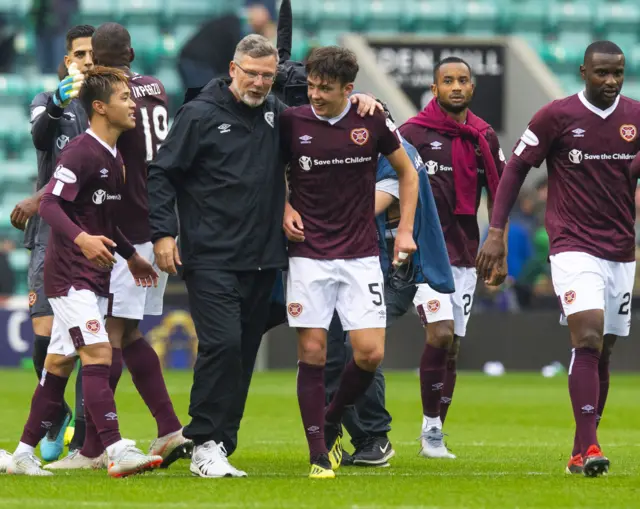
(76, 461)
(129, 460)
(210, 460)
(171, 447)
(26, 464)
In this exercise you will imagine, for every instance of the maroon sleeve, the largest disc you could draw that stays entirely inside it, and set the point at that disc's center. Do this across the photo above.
(512, 179)
(635, 167)
(51, 211)
(123, 247)
(388, 141)
(496, 151)
(536, 141)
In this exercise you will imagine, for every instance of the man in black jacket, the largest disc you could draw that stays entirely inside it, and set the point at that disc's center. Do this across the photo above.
(221, 162)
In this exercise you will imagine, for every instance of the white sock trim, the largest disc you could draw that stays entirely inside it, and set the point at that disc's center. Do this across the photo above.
(24, 449)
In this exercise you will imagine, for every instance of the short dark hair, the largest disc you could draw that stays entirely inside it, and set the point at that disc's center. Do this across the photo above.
(605, 47)
(450, 60)
(98, 86)
(78, 32)
(333, 63)
(111, 45)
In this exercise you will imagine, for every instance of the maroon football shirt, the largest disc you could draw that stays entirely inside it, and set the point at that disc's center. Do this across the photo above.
(590, 207)
(333, 178)
(89, 177)
(139, 146)
(461, 232)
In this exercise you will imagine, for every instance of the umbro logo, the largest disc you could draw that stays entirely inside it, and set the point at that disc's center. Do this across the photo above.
(46, 424)
(224, 128)
(306, 139)
(588, 409)
(578, 133)
(111, 416)
(437, 387)
(104, 173)
(313, 430)
(436, 145)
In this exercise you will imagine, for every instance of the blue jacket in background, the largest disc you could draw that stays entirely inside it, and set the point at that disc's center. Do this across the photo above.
(431, 257)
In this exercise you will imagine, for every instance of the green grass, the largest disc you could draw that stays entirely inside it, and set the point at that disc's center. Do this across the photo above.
(512, 435)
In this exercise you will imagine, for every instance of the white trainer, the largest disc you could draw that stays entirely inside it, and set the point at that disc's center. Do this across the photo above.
(129, 460)
(76, 461)
(26, 464)
(171, 447)
(5, 459)
(433, 446)
(210, 460)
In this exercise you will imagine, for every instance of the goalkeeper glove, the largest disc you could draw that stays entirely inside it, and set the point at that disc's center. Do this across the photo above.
(68, 88)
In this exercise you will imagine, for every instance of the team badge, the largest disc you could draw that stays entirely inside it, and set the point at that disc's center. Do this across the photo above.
(93, 326)
(269, 118)
(295, 309)
(628, 132)
(33, 297)
(569, 297)
(360, 136)
(433, 306)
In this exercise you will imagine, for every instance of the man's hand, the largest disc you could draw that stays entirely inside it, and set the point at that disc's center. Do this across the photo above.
(292, 224)
(24, 211)
(491, 256)
(142, 271)
(167, 255)
(367, 105)
(499, 274)
(404, 247)
(95, 248)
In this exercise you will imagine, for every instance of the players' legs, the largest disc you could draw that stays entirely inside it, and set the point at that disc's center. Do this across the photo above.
(42, 331)
(580, 281)
(450, 377)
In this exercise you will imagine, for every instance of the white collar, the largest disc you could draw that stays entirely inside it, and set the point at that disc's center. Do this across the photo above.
(334, 120)
(601, 113)
(113, 150)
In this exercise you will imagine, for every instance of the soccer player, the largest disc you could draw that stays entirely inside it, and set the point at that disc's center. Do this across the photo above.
(588, 140)
(462, 156)
(333, 256)
(79, 204)
(56, 118)
(368, 421)
(128, 303)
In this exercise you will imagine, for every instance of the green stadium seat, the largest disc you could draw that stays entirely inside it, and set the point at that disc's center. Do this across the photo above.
(13, 86)
(631, 89)
(333, 15)
(524, 16)
(378, 16)
(95, 12)
(148, 42)
(19, 260)
(570, 16)
(136, 11)
(196, 11)
(618, 18)
(571, 82)
(566, 53)
(481, 17)
(429, 17)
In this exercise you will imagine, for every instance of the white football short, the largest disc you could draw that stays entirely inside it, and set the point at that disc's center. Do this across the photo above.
(434, 307)
(78, 320)
(130, 301)
(582, 282)
(354, 288)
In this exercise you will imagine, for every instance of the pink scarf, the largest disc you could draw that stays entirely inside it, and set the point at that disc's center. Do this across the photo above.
(463, 154)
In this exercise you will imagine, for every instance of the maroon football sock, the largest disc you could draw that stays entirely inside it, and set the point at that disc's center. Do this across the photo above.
(583, 388)
(45, 408)
(433, 364)
(92, 446)
(98, 400)
(144, 365)
(311, 398)
(450, 377)
(603, 375)
(354, 382)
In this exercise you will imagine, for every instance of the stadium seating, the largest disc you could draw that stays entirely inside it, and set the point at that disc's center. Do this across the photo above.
(558, 30)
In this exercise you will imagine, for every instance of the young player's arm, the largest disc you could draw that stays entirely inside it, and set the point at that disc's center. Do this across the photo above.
(292, 220)
(64, 186)
(408, 190)
(531, 150)
(166, 172)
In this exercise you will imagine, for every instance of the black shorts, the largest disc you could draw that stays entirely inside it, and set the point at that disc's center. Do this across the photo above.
(38, 302)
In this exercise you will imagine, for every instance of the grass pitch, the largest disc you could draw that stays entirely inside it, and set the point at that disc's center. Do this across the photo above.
(512, 435)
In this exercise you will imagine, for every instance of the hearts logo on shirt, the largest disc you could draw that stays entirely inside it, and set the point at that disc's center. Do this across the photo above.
(628, 132)
(360, 136)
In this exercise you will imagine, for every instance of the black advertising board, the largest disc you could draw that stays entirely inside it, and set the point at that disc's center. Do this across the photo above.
(410, 63)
